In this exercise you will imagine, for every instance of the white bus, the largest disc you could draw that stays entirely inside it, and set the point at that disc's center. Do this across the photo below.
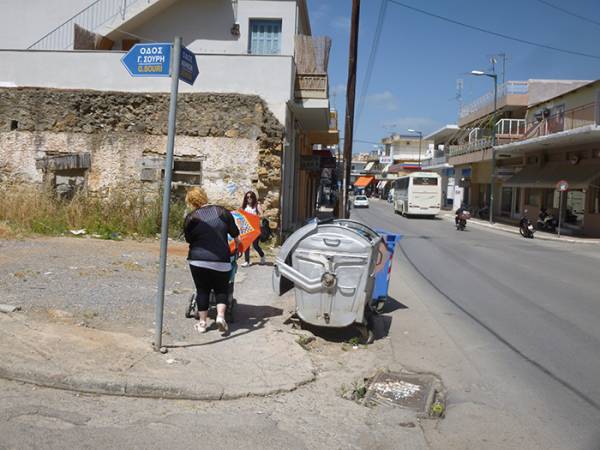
(419, 193)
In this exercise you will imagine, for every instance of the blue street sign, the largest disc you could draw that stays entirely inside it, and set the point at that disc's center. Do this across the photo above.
(148, 60)
(188, 69)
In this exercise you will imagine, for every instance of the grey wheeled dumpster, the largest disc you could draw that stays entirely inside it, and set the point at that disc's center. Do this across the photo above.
(331, 266)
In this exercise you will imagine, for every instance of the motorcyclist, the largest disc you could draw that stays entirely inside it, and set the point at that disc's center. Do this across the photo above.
(459, 213)
(545, 219)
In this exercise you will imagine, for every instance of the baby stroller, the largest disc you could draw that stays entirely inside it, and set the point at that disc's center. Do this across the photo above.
(192, 309)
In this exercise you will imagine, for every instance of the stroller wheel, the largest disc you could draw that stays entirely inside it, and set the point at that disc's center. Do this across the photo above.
(191, 309)
(230, 308)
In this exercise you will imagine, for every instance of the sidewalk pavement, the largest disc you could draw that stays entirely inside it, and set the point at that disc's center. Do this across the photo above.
(515, 230)
(259, 357)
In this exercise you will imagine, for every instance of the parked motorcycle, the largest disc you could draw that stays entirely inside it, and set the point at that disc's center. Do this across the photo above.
(461, 220)
(526, 228)
(546, 222)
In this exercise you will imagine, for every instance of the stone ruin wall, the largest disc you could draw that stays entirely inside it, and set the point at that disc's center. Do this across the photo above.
(237, 137)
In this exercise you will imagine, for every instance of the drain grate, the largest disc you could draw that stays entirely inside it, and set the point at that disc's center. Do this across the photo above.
(411, 391)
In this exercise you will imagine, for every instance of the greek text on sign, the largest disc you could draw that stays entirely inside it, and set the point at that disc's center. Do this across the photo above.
(148, 60)
(188, 69)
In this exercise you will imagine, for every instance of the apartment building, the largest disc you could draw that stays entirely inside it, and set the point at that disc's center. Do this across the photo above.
(437, 161)
(259, 106)
(561, 142)
(470, 152)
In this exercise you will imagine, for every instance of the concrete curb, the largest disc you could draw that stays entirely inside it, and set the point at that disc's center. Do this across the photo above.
(130, 387)
(49, 356)
(515, 230)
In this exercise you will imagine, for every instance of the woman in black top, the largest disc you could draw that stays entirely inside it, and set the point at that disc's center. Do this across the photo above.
(206, 229)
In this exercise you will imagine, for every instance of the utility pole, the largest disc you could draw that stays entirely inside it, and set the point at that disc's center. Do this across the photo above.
(350, 96)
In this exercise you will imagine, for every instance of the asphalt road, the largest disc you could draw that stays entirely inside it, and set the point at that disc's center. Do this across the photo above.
(524, 313)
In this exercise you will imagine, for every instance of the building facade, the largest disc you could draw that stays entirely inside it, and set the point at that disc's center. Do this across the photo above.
(437, 162)
(470, 152)
(561, 143)
(260, 103)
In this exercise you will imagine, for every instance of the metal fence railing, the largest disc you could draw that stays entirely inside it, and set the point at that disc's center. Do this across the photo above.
(511, 127)
(487, 100)
(562, 121)
(99, 13)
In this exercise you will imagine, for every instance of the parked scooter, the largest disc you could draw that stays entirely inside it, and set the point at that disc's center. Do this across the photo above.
(462, 215)
(526, 228)
(546, 222)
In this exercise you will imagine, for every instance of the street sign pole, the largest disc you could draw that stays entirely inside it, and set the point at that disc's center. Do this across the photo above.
(560, 202)
(164, 229)
(562, 186)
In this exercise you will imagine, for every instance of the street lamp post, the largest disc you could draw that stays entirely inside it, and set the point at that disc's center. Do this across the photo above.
(479, 73)
(420, 133)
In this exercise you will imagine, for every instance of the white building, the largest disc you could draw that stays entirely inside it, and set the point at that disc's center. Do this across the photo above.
(255, 47)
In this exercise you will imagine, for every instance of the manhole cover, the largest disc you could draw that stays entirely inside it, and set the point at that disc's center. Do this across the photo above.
(413, 391)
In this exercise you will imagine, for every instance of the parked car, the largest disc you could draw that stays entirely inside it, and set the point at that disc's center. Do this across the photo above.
(361, 201)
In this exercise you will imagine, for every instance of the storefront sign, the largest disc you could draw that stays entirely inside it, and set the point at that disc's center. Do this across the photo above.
(310, 163)
(386, 160)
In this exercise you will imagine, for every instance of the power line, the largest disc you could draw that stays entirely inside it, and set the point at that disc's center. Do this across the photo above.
(371, 61)
(494, 33)
(570, 13)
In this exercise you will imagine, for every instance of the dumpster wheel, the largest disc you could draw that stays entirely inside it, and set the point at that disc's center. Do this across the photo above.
(366, 334)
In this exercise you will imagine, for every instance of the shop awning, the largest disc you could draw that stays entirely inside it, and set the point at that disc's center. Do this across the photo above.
(363, 182)
(382, 184)
(369, 166)
(578, 176)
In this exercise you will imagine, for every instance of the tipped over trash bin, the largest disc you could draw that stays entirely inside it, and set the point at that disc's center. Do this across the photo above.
(331, 266)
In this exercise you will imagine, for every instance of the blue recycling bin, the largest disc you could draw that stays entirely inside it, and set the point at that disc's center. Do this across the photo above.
(382, 278)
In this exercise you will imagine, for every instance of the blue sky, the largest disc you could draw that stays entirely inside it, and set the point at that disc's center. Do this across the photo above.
(420, 58)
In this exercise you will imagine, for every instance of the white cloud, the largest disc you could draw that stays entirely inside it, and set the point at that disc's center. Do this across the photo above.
(402, 124)
(341, 22)
(385, 100)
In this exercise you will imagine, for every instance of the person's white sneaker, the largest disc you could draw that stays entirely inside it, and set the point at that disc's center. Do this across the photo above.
(245, 264)
(200, 327)
(263, 260)
(222, 324)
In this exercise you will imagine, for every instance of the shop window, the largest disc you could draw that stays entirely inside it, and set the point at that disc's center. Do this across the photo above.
(595, 200)
(533, 197)
(548, 198)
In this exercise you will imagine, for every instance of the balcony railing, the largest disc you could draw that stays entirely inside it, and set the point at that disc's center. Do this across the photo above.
(311, 86)
(563, 121)
(436, 161)
(507, 130)
(510, 128)
(99, 13)
(487, 100)
(470, 147)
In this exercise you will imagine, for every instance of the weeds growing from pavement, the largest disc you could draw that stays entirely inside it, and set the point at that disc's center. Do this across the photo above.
(28, 209)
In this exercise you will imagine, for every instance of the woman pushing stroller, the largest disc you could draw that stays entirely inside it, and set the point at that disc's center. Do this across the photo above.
(206, 228)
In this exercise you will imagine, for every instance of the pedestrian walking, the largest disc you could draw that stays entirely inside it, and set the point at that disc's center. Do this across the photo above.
(251, 205)
(206, 228)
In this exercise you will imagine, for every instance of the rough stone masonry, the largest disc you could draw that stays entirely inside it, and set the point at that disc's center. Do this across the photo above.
(232, 142)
